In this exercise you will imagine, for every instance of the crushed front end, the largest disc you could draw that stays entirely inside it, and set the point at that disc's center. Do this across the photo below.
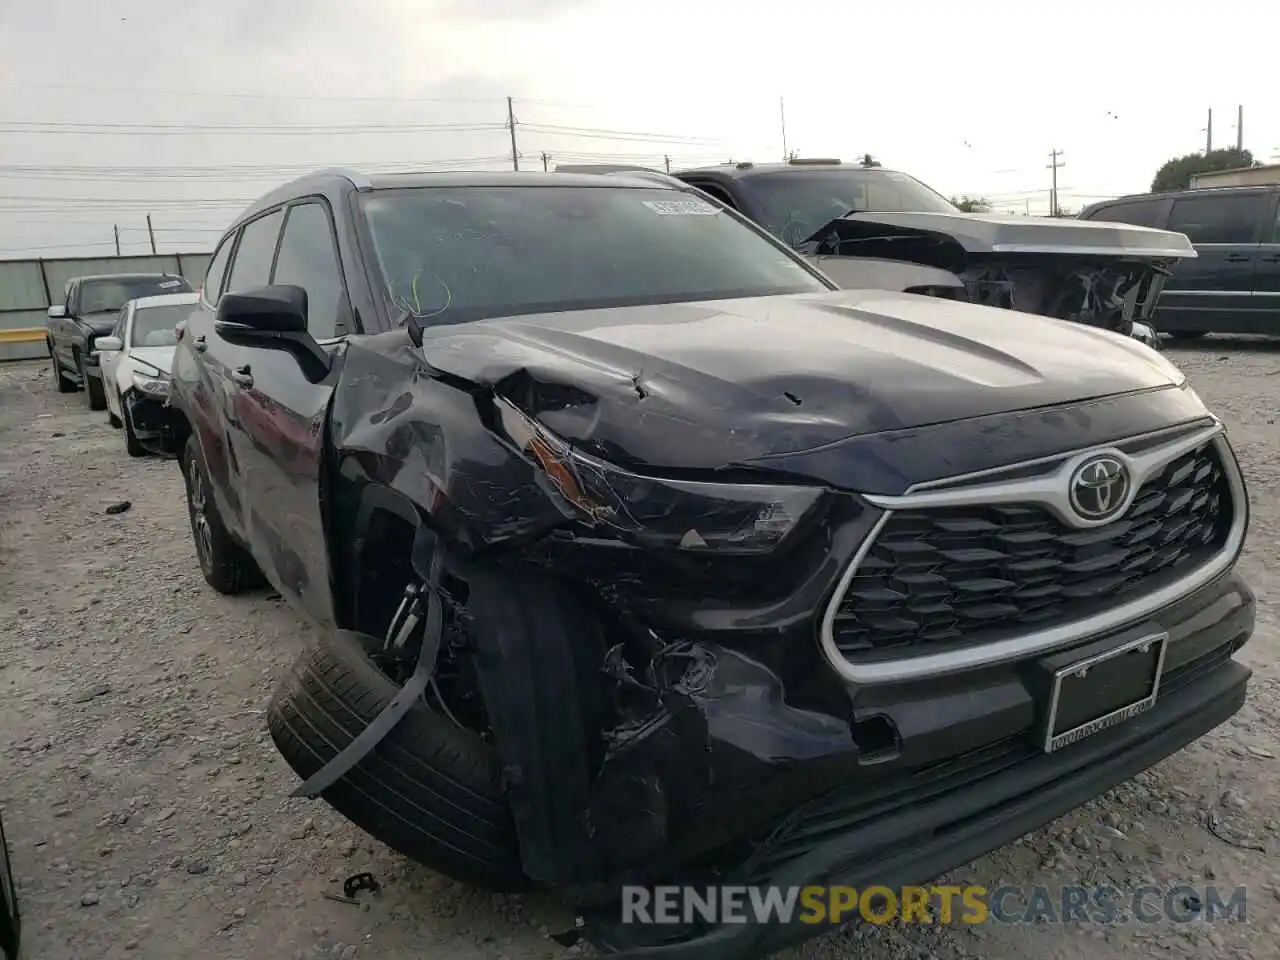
(151, 419)
(870, 704)
(1101, 274)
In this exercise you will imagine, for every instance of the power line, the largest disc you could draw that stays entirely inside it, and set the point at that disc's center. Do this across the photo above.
(235, 95)
(87, 128)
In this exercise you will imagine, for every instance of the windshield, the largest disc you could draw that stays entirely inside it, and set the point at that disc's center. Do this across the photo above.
(453, 254)
(153, 326)
(795, 204)
(101, 296)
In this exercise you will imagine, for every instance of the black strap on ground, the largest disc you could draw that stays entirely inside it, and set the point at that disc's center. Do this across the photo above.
(400, 704)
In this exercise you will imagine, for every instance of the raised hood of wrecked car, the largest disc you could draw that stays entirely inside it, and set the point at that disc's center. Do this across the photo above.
(159, 357)
(702, 385)
(994, 233)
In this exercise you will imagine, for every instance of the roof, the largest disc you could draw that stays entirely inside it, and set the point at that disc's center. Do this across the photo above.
(165, 300)
(1187, 191)
(127, 276)
(740, 171)
(327, 181)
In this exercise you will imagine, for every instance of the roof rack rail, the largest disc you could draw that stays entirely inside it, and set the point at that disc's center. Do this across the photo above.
(814, 161)
(358, 179)
(615, 169)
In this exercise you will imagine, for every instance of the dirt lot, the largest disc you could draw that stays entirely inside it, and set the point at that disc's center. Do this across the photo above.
(149, 812)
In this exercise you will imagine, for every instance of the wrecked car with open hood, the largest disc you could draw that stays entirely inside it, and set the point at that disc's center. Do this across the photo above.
(644, 556)
(866, 226)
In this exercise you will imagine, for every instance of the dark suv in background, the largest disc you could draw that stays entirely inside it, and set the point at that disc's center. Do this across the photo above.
(1233, 284)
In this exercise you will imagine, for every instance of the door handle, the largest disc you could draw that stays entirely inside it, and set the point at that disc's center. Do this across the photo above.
(1274, 258)
(1236, 257)
(242, 377)
(200, 343)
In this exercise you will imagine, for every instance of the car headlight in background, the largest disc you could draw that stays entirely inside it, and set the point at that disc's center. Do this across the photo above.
(153, 384)
(691, 516)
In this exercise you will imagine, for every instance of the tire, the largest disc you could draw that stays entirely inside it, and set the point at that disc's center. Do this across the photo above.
(131, 443)
(227, 566)
(59, 378)
(430, 790)
(113, 420)
(94, 393)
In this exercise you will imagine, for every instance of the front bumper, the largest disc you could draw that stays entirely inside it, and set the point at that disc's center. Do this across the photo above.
(151, 420)
(974, 794)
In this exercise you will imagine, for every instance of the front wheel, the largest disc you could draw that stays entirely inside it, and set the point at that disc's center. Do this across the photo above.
(227, 566)
(131, 443)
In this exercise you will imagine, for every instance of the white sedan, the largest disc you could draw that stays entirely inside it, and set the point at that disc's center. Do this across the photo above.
(135, 358)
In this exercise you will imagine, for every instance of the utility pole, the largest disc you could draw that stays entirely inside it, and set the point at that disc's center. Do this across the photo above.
(1240, 128)
(511, 125)
(116, 228)
(782, 116)
(667, 161)
(151, 233)
(1208, 134)
(545, 159)
(1054, 164)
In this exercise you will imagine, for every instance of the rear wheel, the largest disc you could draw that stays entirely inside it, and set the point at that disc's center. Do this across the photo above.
(94, 392)
(227, 566)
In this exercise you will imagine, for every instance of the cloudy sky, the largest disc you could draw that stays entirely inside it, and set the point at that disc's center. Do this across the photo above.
(111, 111)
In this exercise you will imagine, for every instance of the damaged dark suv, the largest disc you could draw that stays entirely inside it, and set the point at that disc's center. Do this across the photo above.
(642, 555)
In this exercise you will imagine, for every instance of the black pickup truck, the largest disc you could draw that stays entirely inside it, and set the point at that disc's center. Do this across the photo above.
(643, 555)
(90, 308)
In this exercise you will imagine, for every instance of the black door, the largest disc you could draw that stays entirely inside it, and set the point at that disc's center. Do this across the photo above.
(1214, 291)
(229, 365)
(1266, 277)
(283, 417)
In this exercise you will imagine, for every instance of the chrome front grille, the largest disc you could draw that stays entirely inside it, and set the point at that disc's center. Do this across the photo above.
(979, 568)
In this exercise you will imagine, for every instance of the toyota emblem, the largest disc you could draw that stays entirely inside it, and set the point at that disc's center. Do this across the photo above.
(1099, 488)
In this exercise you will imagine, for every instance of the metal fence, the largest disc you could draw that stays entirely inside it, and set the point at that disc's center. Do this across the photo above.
(29, 287)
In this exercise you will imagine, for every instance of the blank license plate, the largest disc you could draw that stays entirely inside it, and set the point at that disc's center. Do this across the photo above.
(1099, 691)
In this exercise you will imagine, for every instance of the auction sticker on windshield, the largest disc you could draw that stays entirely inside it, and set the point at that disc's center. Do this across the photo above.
(693, 207)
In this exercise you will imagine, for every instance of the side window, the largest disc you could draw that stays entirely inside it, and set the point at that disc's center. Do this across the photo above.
(217, 270)
(1139, 213)
(1275, 229)
(252, 265)
(1218, 219)
(118, 329)
(309, 259)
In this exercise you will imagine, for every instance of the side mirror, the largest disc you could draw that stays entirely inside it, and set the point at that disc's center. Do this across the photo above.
(273, 317)
(57, 312)
(108, 344)
(266, 310)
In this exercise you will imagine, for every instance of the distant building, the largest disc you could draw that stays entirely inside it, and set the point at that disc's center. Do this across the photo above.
(1239, 177)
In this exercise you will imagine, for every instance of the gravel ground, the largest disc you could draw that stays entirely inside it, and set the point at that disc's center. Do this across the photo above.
(149, 812)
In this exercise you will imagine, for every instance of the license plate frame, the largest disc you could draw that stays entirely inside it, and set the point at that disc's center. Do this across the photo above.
(1078, 670)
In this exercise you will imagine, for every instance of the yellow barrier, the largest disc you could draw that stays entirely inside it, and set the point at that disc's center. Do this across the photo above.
(22, 335)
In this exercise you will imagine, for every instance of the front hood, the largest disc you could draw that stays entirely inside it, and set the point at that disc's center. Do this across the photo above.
(100, 323)
(997, 234)
(159, 357)
(702, 385)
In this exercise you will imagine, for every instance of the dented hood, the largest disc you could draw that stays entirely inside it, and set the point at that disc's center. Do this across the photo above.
(703, 385)
(994, 233)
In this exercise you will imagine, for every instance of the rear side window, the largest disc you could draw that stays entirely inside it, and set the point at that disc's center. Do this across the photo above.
(217, 270)
(252, 265)
(309, 259)
(1218, 219)
(1138, 213)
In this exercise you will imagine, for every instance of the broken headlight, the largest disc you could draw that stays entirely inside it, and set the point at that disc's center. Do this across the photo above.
(685, 515)
(152, 383)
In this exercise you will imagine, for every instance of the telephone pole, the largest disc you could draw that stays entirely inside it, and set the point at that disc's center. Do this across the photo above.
(511, 125)
(667, 161)
(1054, 165)
(546, 158)
(1208, 134)
(782, 116)
(1240, 128)
(116, 228)
(151, 233)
